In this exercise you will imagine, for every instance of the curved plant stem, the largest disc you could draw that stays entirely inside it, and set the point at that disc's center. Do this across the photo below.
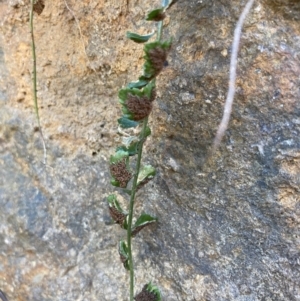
(34, 81)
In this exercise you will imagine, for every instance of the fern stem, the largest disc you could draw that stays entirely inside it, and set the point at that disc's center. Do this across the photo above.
(34, 80)
(131, 205)
(159, 30)
(134, 188)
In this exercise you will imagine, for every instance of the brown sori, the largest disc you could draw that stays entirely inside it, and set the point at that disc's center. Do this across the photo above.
(116, 215)
(157, 58)
(143, 183)
(39, 6)
(145, 295)
(140, 107)
(120, 173)
(138, 229)
(159, 17)
(123, 258)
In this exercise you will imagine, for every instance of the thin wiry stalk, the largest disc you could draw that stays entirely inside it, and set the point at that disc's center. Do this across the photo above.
(34, 82)
(233, 65)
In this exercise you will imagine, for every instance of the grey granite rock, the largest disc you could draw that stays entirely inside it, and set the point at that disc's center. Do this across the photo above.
(228, 223)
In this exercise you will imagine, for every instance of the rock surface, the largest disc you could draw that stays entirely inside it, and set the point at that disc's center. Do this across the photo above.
(228, 223)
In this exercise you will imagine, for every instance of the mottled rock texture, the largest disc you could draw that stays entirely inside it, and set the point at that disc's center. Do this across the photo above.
(228, 223)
